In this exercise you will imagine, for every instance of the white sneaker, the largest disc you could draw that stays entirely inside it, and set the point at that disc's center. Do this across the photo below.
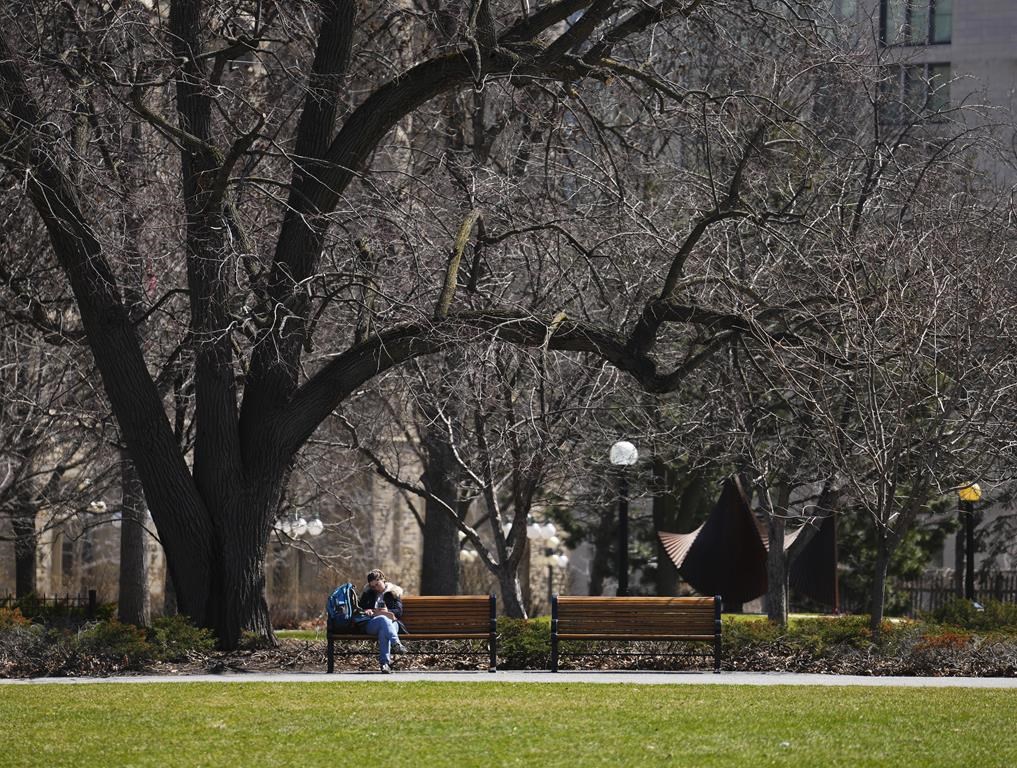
(386, 669)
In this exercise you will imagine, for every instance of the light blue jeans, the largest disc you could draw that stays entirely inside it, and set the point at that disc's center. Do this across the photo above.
(387, 632)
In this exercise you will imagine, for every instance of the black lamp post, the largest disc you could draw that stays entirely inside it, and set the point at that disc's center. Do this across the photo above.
(968, 496)
(623, 456)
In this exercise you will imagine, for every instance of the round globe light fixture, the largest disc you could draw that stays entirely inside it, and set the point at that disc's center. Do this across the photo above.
(623, 454)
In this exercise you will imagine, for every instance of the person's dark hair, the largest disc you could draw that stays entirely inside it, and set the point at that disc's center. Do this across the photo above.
(375, 575)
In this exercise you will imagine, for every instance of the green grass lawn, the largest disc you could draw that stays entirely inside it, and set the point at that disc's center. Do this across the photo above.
(299, 634)
(423, 724)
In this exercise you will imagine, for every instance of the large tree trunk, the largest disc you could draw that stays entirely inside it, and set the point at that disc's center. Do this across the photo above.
(25, 541)
(133, 606)
(439, 562)
(238, 601)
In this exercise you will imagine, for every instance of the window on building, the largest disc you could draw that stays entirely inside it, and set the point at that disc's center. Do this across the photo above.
(845, 9)
(914, 92)
(915, 22)
(939, 76)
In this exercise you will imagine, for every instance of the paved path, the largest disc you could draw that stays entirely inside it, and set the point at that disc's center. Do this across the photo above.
(634, 678)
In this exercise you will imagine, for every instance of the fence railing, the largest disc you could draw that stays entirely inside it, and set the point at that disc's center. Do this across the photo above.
(932, 590)
(87, 602)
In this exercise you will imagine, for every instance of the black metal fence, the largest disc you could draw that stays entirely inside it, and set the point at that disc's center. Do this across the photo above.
(933, 589)
(86, 603)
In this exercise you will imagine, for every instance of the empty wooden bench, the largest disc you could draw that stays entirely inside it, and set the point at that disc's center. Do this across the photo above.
(437, 617)
(623, 619)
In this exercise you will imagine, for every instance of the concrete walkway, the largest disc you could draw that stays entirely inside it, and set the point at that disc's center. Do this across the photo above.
(632, 678)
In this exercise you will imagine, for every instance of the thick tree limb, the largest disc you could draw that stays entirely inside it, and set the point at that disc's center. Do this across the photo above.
(448, 290)
(176, 506)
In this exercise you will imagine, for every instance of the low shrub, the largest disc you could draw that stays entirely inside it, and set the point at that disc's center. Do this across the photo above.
(26, 651)
(740, 633)
(112, 644)
(175, 638)
(993, 615)
(11, 617)
(822, 634)
(524, 643)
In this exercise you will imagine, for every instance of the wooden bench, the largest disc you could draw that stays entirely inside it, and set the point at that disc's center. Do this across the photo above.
(438, 617)
(635, 618)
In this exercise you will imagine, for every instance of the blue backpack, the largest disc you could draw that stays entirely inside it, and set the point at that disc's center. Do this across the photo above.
(344, 609)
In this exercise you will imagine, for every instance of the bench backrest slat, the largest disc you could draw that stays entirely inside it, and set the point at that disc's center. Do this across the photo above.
(636, 615)
(447, 613)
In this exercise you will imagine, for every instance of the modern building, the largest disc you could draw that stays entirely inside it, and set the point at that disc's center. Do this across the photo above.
(950, 54)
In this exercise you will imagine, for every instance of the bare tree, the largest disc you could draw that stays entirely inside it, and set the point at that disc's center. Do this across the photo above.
(611, 169)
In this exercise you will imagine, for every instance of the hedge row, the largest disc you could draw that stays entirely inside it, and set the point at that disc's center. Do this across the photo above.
(959, 639)
(32, 649)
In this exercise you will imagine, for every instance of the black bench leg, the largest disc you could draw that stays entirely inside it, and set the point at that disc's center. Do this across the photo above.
(554, 633)
(330, 655)
(492, 643)
(717, 650)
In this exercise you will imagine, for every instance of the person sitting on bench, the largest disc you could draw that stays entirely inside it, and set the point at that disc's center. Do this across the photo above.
(382, 602)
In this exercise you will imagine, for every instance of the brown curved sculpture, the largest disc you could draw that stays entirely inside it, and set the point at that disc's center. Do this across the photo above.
(726, 555)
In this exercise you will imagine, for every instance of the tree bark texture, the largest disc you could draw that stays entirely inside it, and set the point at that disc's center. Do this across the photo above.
(133, 604)
(777, 559)
(878, 590)
(511, 594)
(603, 550)
(439, 566)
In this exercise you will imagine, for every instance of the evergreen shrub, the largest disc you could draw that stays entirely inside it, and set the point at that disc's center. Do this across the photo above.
(112, 643)
(524, 643)
(175, 638)
(992, 616)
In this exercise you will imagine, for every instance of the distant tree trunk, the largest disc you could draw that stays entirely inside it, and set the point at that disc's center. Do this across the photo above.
(439, 562)
(133, 606)
(25, 542)
(776, 570)
(523, 574)
(776, 558)
(666, 511)
(678, 508)
(603, 546)
(878, 595)
(511, 594)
